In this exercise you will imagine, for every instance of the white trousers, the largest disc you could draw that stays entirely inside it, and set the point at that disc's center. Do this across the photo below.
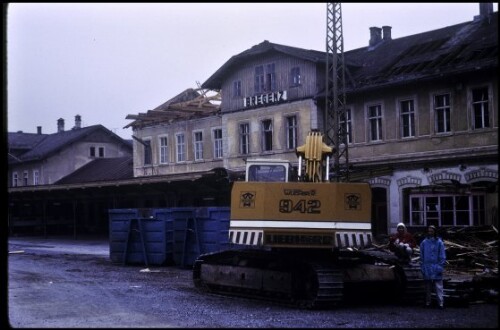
(437, 286)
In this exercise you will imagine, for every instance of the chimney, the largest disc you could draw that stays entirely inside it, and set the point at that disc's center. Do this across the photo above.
(60, 125)
(386, 30)
(375, 35)
(78, 122)
(39, 129)
(485, 9)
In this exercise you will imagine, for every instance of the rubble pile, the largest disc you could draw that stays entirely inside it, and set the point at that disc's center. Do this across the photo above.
(471, 272)
(473, 250)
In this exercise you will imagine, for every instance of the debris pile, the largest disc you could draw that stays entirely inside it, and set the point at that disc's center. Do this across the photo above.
(471, 272)
(472, 250)
(472, 262)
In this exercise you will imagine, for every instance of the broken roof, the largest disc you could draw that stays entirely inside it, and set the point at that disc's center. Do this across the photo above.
(455, 49)
(451, 50)
(192, 103)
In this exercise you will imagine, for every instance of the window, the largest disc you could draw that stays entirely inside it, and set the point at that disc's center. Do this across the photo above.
(15, 178)
(181, 148)
(100, 151)
(198, 145)
(163, 150)
(446, 210)
(295, 77)
(237, 88)
(375, 119)
(267, 173)
(267, 135)
(218, 143)
(478, 211)
(480, 106)
(25, 178)
(345, 125)
(259, 80)
(147, 152)
(407, 118)
(270, 78)
(244, 138)
(442, 112)
(36, 178)
(291, 132)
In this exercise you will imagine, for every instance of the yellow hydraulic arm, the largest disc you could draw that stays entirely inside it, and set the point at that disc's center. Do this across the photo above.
(314, 152)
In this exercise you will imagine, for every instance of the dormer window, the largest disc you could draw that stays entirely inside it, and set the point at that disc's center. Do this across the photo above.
(259, 80)
(237, 88)
(295, 77)
(96, 152)
(270, 78)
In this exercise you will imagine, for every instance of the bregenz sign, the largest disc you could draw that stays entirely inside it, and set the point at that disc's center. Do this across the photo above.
(263, 99)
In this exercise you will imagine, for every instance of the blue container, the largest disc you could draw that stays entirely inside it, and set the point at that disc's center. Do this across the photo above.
(198, 231)
(215, 229)
(138, 240)
(176, 235)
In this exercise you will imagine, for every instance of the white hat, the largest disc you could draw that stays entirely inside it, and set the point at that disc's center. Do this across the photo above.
(401, 225)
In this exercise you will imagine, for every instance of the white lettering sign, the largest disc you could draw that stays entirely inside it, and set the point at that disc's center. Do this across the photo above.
(263, 99)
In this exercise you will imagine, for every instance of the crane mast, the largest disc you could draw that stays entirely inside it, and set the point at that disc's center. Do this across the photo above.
(335, 116)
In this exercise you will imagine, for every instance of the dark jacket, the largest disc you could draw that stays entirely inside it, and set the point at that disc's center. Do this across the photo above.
(405, 238)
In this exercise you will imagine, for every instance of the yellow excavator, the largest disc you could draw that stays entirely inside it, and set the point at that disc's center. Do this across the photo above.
(299, 239)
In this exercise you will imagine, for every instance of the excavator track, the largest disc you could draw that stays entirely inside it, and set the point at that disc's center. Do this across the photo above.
(269, 276)
(305, 280)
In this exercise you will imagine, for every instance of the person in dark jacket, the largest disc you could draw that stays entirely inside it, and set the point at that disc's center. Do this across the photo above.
(432, 262)
(402, 242)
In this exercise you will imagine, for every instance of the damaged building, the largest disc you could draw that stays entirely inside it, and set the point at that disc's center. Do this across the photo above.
(421, 118)
(421, 122)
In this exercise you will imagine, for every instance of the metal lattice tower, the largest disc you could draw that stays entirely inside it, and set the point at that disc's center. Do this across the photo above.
(335, 124)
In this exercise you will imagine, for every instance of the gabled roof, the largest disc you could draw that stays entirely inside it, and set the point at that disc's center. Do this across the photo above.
(19, 143)
(24, 141)
(215, 81)
(101, 169)
(51, 143)
(451, 50)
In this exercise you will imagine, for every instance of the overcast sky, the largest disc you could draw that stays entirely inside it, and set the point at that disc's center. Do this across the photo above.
(105, 61)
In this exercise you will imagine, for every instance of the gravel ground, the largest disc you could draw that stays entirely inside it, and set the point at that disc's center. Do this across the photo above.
(55, 283)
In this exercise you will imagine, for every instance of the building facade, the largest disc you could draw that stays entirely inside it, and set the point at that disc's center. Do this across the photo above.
(422, 120)
(44, 159)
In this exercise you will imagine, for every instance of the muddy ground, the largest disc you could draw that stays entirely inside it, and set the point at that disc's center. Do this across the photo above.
(55, 283)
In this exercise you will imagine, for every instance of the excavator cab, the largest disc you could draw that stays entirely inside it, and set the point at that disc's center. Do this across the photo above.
(265, 170)
(314, 158)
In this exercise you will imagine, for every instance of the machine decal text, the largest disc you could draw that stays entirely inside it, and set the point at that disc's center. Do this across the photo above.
(301, 206)
(300, 192)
